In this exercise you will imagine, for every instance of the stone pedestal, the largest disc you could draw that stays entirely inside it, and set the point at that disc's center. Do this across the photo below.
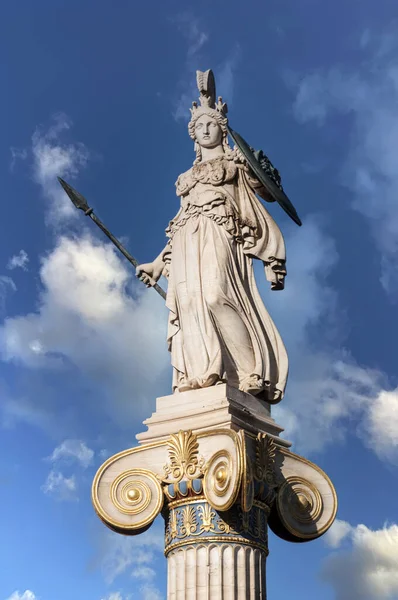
(212, 462)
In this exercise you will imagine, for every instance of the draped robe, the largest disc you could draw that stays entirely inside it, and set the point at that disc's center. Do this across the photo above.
(219, 329)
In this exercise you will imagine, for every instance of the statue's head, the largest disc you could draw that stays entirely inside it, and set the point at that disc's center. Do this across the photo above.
(208, 132)
(208, 124)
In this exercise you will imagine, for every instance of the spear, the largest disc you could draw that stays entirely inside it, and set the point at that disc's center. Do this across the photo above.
(80, 202)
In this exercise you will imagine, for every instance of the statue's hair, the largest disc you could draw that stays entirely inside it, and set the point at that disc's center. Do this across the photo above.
(221, 120)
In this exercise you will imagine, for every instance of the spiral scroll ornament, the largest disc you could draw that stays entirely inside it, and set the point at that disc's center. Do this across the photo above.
(136, 498)
(222, 480)
(300, 507)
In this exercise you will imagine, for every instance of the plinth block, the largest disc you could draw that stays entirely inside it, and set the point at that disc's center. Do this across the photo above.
(217, 407)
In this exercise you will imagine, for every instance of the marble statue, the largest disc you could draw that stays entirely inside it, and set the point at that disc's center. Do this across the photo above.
(219, 329)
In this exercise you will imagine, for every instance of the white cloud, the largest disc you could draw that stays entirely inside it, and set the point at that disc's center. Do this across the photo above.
(104, 454)
(34, 410)
(118, 554)
(87, 317)
(19, 260)
(331, 394)
(318, 93)
(60, 487)
(380, 428)
(52, 158)
(369, 94)
(191, 29)
(225, 76)
(73, 451)
(27, 595)
(143, 572)
(145, 556)
(337, 533)
(16, 155)
(114, 596)
(150, 592)
(368, 569)
(7, 282)
(7, 285)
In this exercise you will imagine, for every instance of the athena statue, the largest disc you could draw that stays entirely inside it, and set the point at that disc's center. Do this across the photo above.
(219, 329)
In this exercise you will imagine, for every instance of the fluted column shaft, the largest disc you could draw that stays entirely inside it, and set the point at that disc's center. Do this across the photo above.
(216, 572)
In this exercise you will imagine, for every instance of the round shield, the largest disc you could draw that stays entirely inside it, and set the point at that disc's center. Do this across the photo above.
(272, 188)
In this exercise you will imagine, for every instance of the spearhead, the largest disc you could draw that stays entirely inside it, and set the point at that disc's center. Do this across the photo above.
(78, 200)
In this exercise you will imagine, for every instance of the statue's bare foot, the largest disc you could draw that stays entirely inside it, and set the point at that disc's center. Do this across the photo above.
(185, 386)
(196, 384)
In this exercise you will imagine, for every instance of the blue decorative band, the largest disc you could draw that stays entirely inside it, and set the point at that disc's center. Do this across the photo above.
(197, 522)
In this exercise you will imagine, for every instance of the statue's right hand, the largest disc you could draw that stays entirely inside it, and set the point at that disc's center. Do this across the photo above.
(148, 273)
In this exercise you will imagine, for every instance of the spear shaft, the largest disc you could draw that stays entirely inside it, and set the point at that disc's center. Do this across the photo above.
(80, 202)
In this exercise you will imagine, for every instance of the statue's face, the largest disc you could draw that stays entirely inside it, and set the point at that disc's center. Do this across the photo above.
(208, 133)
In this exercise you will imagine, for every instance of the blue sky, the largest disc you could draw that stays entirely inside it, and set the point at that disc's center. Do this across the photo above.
(99, 93)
